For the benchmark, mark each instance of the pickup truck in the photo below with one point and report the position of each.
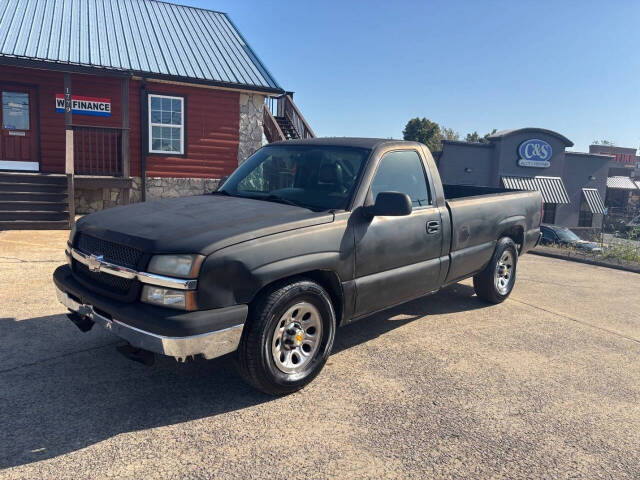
(303, 237)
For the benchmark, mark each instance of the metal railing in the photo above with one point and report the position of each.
(97, 150)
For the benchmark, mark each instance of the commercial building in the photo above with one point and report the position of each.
(623, 184)
(132, 99)
(573, 184)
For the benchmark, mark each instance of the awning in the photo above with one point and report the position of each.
(592, 196)
(552, 188)
(621, 183)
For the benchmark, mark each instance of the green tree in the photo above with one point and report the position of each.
(472, 137)
(476, 138)
(424, 131)
(449, 134)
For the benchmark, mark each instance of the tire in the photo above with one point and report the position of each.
(287, 338)
(495, 282)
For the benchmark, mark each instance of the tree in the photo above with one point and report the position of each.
(424, 131)
(449, 134)
(472, 137)
(476, 138)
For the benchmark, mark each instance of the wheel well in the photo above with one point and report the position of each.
(326, 279)
(515, 233)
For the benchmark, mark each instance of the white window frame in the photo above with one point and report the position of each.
(151, 124)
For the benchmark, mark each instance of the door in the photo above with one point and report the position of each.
(398, 258)
(19, 134)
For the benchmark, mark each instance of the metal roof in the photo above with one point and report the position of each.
(621, 183)
(144, 37)
(552, 188)
(594, 201)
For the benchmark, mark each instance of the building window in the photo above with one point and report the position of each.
(585, 218)
(549, 213)
(166, 124)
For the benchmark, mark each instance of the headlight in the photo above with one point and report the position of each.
(166, 297)
(185, 266)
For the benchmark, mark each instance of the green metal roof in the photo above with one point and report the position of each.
(144, 37)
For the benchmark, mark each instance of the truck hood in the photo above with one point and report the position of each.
(198, 224)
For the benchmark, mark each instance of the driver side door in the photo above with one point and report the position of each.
(398, 258)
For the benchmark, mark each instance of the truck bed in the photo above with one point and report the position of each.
(481, 215)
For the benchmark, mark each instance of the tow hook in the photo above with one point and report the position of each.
(139, 355)
(83, 323)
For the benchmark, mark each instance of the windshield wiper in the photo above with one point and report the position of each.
(220, 192)
(279, 199)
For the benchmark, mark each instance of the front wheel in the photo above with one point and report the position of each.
(495, 282)
(287, 338)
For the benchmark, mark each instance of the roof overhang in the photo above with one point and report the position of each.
(23, 62)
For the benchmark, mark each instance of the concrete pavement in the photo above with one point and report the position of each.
(545, 385)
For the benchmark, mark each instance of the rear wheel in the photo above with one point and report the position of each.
(495, 282)
(287, 338)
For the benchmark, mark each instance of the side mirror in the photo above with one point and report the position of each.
(390, 204)
(221, 182)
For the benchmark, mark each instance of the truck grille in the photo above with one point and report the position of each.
(113, 284)
(111, 252)
(110, 285)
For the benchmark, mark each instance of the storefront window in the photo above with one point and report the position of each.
(166, 124)
(15, 111)
(549, 213)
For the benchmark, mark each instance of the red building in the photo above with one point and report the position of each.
(125, 100)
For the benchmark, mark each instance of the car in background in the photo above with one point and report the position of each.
(562, 236)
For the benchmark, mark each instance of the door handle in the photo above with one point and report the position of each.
(433, 227)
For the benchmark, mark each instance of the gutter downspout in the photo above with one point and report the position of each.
(144, 141)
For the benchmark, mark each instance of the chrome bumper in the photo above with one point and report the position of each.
(210, 345)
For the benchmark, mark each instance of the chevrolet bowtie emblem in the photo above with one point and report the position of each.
(94, 263)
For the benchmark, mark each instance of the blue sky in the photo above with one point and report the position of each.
(363, 68)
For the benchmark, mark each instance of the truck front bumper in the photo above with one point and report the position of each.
(210, 333)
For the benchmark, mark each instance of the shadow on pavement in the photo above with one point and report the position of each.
(64, 402)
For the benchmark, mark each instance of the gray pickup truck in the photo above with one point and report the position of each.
(303, 237)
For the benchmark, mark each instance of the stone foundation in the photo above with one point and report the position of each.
(165, 187)
(94, 200)
(251, 127)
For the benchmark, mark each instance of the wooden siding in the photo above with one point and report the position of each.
(212, 121)
(211, 137)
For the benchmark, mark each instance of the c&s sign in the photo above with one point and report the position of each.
(534, 153)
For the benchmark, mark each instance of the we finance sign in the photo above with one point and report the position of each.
(80, 105)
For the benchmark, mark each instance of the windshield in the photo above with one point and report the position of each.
(319, 178)
(567, 235)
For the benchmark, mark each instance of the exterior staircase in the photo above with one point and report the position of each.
(288, 130)
(33, 201)
(282, 120)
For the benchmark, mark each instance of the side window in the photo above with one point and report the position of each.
(402, 171)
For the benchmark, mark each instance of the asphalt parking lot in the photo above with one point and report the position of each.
(545, 385)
